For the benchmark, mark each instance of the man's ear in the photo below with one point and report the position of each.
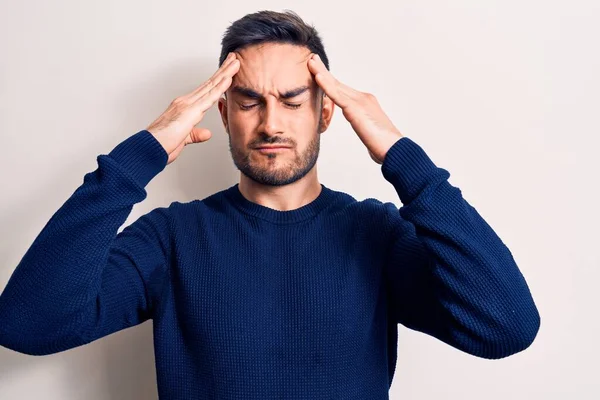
(327, 107)
(222, 105)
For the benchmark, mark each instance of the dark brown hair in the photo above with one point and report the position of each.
(271, 27)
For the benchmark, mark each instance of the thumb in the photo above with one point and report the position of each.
(198, 135)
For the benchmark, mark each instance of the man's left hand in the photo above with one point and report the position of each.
(362, 110)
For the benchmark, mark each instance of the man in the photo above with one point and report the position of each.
(277, 287)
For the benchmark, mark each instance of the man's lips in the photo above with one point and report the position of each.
(268, 148)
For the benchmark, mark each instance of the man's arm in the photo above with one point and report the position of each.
(449, 275)
(79, 280)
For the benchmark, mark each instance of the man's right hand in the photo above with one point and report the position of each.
(176, 127)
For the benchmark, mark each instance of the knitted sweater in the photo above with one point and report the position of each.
(249, 302)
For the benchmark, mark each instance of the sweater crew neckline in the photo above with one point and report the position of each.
(304, 212)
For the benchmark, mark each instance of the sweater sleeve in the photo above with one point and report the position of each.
(449, 275)
(80, 280)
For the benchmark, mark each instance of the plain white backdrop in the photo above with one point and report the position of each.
(502, 94)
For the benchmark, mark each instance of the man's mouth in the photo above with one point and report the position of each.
(266, 149)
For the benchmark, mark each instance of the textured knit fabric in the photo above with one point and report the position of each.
(249, 302)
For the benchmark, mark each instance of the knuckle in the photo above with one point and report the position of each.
(177, 101)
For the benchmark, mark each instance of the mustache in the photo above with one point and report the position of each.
(273, 141)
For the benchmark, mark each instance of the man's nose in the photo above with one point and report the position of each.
(271, 118)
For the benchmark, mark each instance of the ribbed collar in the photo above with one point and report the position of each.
(307, 211)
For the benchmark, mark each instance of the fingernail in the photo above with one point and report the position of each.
(317, 57)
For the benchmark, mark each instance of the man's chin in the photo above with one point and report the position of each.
(274, 176)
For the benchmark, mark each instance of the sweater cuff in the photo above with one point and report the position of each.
(408, 168)
(141, 155)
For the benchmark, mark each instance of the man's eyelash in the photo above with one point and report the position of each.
(243, 107)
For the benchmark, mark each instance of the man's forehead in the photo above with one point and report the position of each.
(263, 52)
(276, 68)
(273, 61)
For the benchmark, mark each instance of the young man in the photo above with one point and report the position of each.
(277, 287)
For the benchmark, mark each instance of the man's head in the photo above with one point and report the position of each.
(274, 99)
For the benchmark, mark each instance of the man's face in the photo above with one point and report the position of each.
(274, 100)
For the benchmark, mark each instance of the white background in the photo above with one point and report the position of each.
(502, 94)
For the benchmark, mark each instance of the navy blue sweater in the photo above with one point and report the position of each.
(249, 302)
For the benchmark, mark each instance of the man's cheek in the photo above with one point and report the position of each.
(238, 122)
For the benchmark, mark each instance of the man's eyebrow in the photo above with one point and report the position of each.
(245, 91)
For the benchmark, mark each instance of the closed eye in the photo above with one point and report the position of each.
(249, 106)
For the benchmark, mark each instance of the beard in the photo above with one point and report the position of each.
(276, 169)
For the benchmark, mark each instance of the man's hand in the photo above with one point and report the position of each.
(362, 110)
(175, 128)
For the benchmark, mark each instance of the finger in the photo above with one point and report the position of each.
(216, 76)
(198, 135)
(213, 94)
(336, 90)
(332, 87)
(229, 71)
